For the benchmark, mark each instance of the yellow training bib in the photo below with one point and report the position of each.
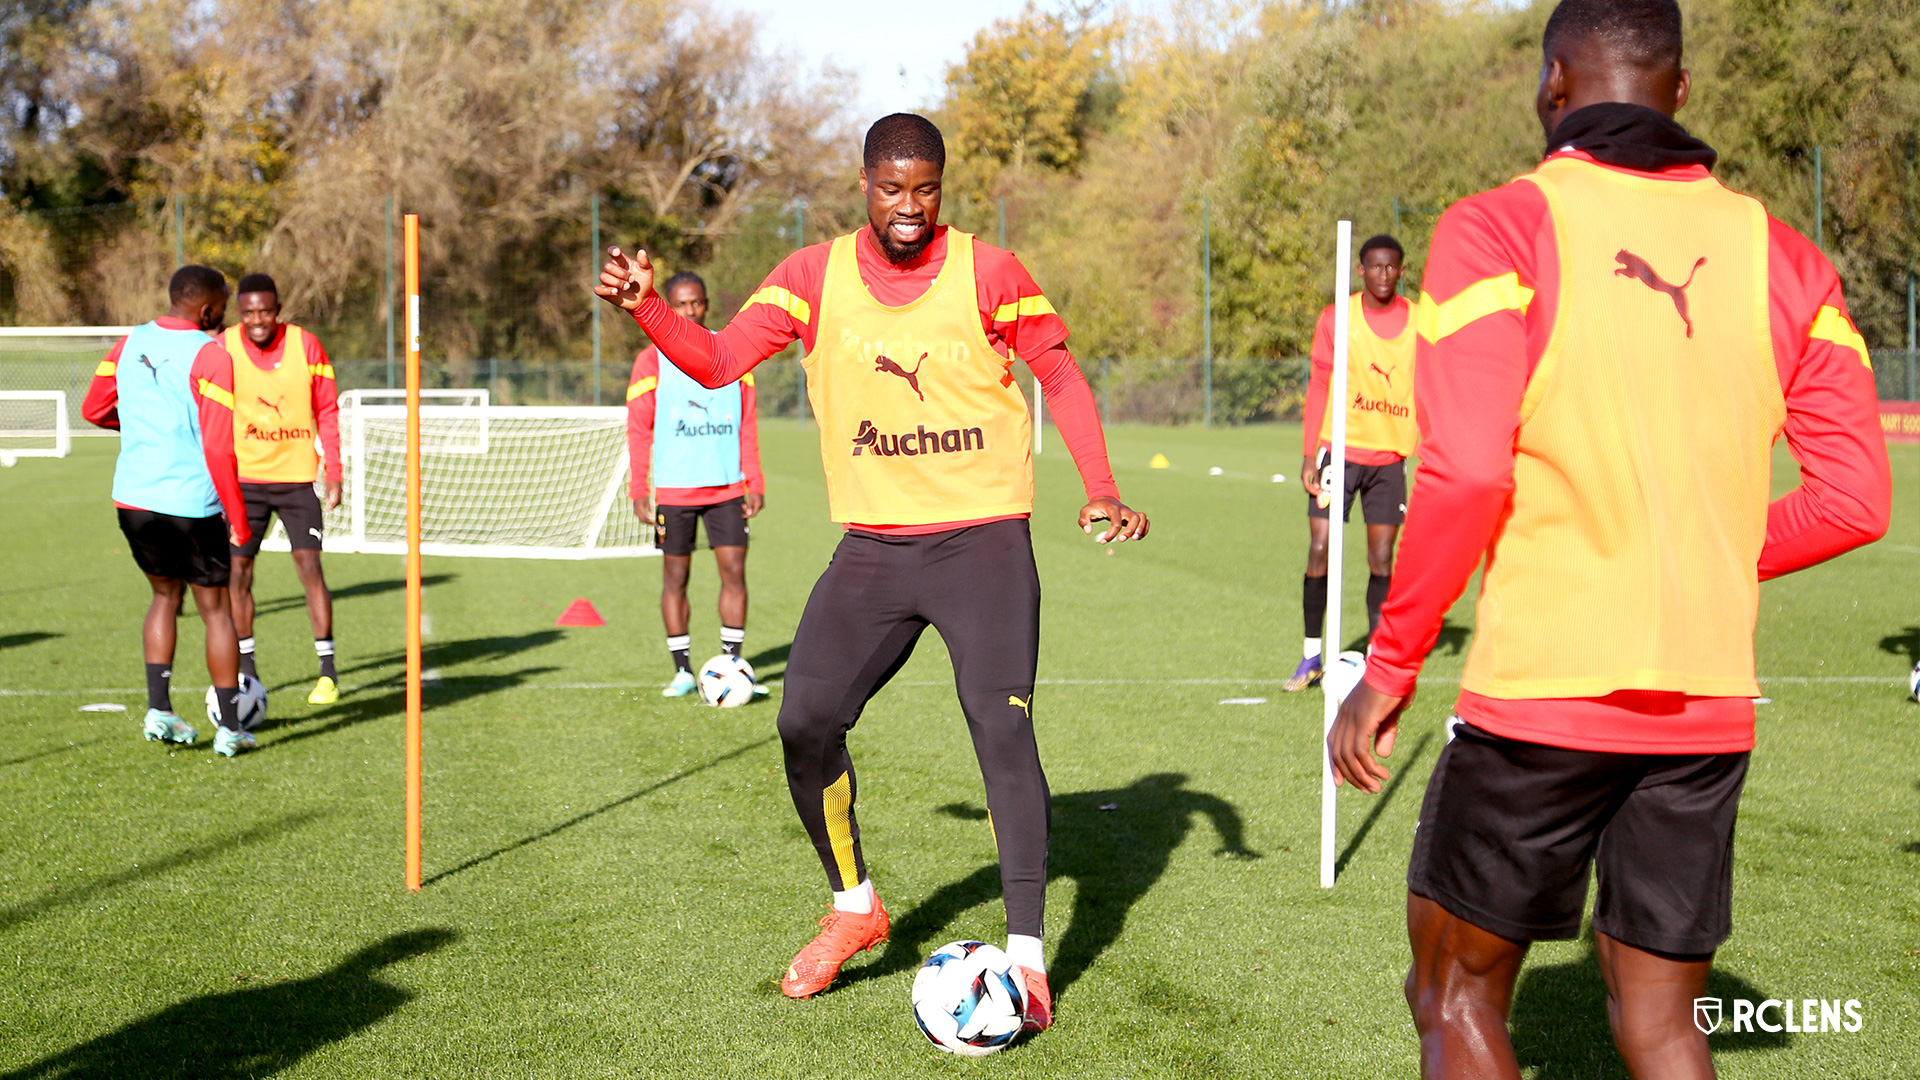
(920, 420)
(1379, 388)
(273, 423)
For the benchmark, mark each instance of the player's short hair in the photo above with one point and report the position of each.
(1382, 240)
(905, 137)
(684, 277)
(257, 283)
(1645, 33)
(195, 284)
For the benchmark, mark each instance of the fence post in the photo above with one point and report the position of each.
(389, 292)
(1819, 201)
(179, 238)
(1206, 287)
(1106, 394)
(1911, 395)
(1003, 221)
(594, 301)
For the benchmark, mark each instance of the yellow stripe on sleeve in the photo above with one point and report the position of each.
(641, 387)
(1026, 305)
(837, 804)
(775, 296)
(215, 392)
(1438, 320)
(1831, 325)
(747, 379)
(105, 370)
(324, 371)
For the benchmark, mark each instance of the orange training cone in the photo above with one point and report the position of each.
(580, 613)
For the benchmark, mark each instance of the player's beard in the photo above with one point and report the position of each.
(898, 253)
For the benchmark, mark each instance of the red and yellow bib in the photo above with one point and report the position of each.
(1379, 388)
(273, 424)
(1642, 463)
(920, 420)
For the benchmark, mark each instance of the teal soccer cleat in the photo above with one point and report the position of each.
(166, 727)
(683, 684)
(230, 741)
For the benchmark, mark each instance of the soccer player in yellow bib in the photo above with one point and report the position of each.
(911, 329)
(1380, 435)
(285, 418)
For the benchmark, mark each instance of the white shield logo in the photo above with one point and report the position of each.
(1706, 1015)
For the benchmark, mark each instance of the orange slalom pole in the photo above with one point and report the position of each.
(412, 248)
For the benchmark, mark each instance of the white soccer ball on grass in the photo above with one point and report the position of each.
(1913, 683)
(968, 1000)
(726, 681)
(253, 703)
(1345, 674)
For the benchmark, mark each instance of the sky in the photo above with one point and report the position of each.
(899, 50)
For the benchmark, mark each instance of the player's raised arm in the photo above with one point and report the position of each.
(102, 405)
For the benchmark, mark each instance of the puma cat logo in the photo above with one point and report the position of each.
(886, 364)
(1011, 700)
(1634, 266)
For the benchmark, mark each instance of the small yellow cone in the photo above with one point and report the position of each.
(1159, 462)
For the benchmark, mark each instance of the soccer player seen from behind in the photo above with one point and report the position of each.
(1608, 348)
(911, 329)
(168, 389)
(285, 402)
(1380, 435)
(700, 449)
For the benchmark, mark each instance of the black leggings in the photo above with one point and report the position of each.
(978, 587)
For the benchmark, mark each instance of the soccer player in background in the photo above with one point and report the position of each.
(1608, 348)
(285, 401)
(168, 389)
(702, 448)
(1380, 435)
(911, 329)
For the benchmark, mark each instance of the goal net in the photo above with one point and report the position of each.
(33, 423)
(496, 481)
(49, 358)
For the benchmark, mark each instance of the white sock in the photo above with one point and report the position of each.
(321, 646)
(858, 900)
(1309, 648)
(246, 646)
(1025, 952)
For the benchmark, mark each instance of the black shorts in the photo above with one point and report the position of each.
(193, 550)
(299, 509)
(1382, 490)
(1508, 829)
(726, 525)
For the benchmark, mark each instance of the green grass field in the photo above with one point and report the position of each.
(615, 882)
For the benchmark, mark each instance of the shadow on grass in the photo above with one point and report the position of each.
(350, 592)
(360, 708)
(1905, 643)
(31, 637)
(1114, 856)
(48, 752)
(775, 655)
(1400, 772)
(251, 1032)
(623, 800)
(480, 650)
(66, 895)
(1559, 1021)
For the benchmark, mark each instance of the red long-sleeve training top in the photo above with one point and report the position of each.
(1469, 388)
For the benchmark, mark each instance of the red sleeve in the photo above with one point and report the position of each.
(640, 404)
(1833, 421)
(1319, 380)
(212, 376)
(785, 307)
(1070, 402)
(1017, 316)
(102, 405)
(326, 404)
(1468, 386)
(750, 438)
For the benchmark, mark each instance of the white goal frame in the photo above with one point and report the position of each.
(62, 434)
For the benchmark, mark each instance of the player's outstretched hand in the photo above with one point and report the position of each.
(1367, 725)
(755, 501)
(1123, 522)
(624, 282)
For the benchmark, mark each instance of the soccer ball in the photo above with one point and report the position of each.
(1913, 683)
(726, 681)
(253, 703)
(1345, 674)
(968, 999)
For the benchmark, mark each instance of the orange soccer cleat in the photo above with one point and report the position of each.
(842, 934)
(1039, 1015)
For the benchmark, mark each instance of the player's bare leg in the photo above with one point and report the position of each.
(240, 599)
(1650, 1006)
(306, 563)
(223, 643)
(732, 562)
(1460, 989)
(675, 613)
(159, 631)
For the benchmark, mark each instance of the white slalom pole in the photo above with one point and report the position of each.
(1336, 535)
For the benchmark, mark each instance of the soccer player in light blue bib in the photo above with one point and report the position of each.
(699, 450)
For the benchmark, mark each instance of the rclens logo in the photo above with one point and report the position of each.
(916, 442)
(1803, 1017)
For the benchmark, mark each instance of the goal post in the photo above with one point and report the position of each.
(1336, 536)
(33, 423)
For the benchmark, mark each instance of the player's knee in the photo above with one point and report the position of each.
(808, 716)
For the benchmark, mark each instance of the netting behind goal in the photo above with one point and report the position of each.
(33, 423)
(503, 481)
(57, 358)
